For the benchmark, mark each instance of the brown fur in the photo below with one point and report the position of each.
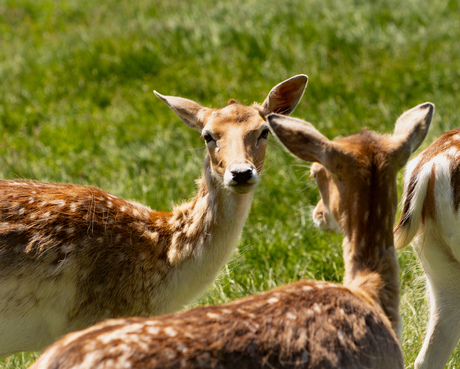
(307, 324)
(365, 191)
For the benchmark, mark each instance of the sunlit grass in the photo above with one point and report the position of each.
(76, 105)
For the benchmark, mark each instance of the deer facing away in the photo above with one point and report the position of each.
(71, 256)
(429, 219)
(306, 324)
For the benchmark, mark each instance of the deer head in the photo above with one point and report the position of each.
(236, 135)
(342, 168)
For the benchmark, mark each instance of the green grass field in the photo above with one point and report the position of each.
(76, 105)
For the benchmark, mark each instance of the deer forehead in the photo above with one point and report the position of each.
(234, 117)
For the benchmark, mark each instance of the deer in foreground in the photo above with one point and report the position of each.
(429, 219)
(72, 256)
(306, 324)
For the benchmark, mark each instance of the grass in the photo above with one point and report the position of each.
(76, 106)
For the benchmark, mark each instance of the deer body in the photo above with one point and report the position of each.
(429, 220)
(71, 256)
(307, 324)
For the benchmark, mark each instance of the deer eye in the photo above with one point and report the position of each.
(264, 133)
(207, 137)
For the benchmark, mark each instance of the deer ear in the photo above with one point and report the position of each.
(284, 97)
(191, 113)
(411, 129)
(303, 140)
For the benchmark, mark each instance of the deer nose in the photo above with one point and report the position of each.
(242, 176)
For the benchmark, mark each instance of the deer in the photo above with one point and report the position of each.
(72, 255)
(304, 324)
(429, 221)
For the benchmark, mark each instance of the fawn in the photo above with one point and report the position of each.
(429, 219)
(306, 324)
(72, 256)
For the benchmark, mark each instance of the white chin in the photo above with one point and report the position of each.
(241, 189)
(325, 227)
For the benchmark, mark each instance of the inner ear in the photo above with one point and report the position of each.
(412, 127)
(284, 97)
(410, 131)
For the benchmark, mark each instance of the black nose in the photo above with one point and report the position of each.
(242, 176)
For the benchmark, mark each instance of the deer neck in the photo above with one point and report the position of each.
(369, 254)
(204, 233)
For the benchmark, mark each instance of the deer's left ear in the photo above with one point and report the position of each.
(305, 141)
(284, 97)
(410, 130)
(190, 112)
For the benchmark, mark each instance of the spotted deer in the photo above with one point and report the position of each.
(429, 220)
(71, 256)
(306, 324)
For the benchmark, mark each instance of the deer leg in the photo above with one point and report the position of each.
(442, 334)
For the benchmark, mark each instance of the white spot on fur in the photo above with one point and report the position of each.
(307, 288)
(73, 208)
(316, 308)
(213, 315)
(122, 209)
(291, 316)
(171, 332)
(273, 300)
(153, 330)
(452, 151)
(59, 203)
(119, 333)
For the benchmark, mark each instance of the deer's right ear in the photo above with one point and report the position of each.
(410, 130)
(412, 127)
(190, 112)
(301, 138)
(284, 97)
